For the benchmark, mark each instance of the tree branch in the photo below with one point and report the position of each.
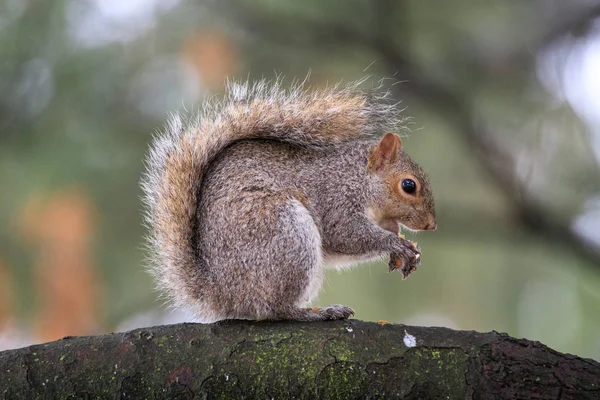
(339, 360)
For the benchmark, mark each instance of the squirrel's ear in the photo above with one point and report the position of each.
(386, 151)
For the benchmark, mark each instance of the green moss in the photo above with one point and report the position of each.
(341, 380)
(445, 366)
(161, 340)
(274, 360)
(340, 350)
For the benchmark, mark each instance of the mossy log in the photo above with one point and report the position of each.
(327, 360)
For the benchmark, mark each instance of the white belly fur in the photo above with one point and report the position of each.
(343, 261)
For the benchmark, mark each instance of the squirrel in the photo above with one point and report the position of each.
(250, 202)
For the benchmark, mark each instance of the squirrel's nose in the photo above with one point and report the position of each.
(431, 226)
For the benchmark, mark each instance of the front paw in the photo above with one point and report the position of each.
(406, 259)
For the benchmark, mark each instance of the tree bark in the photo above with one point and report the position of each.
(330, 360)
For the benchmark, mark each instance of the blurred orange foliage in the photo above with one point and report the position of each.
(213, 55)
(67, 286)
(6, 297)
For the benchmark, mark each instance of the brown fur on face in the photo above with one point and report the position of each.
(416, 211)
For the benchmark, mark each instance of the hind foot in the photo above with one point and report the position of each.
(329, 313)
(334, 312)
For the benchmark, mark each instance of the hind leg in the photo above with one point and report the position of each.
(309, 238)
(273, 269)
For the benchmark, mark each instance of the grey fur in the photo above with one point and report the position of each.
(242, 227)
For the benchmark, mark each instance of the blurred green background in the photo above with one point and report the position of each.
(505, 116)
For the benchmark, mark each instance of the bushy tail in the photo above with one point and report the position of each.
(178, 158)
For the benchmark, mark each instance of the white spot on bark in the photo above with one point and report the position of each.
(409, 340)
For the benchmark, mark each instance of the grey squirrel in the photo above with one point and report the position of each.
(249, 203)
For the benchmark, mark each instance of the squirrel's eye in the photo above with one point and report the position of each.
(409, 186)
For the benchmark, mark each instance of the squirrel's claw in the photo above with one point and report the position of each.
(407, 261)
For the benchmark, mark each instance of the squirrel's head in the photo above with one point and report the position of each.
(406, 197)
